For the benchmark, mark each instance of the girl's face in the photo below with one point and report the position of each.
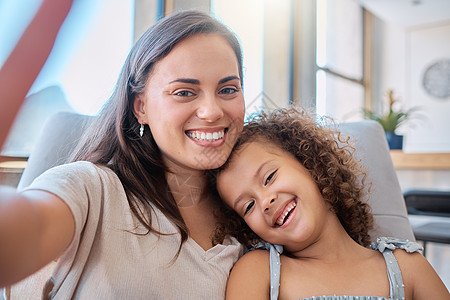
(275, 195)
(193, 103)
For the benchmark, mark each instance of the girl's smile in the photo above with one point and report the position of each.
(283, 218)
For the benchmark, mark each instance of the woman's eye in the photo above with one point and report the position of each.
(228, 91)
(269, 178)
(184, 94)
(249, 206)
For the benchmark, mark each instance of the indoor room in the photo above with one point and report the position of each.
(346, 61)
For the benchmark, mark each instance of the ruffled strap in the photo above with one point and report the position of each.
(391, 243)
(385, 245)
(275, 266)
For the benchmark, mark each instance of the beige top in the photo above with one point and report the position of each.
(104, 261)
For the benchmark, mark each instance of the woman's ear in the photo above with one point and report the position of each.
(138, 107)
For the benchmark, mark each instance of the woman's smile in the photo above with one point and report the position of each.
(205, 137)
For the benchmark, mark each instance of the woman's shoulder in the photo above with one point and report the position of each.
(75, 176)
(80, 166)
(79, 169)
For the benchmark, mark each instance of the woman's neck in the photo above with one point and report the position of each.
(194, 202)
(188, 189)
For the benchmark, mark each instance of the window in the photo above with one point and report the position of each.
(309, 53)
(82, 69)
(339, 59)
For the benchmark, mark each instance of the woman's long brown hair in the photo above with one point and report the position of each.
(113, 139)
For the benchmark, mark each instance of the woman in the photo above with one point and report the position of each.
(131, 218)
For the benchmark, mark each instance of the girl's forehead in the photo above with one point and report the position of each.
(261, 144)
(250, 155)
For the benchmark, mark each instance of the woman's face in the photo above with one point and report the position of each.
(193, 103)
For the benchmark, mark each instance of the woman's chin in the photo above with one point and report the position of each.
(213, 165)
(208, 162)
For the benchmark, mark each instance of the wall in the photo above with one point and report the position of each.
(426, 46)
(424, 179)
(401, 56)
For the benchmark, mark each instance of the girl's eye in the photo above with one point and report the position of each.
(249, 206)
(184, 94)
(228, 91)
(269, 178)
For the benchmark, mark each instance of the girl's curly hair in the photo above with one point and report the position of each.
(324, 152)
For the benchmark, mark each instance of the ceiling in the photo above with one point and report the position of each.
(409, 13)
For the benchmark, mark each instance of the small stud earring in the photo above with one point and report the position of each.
(141, 130)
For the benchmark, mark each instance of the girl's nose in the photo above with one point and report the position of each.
(210, 109)
(268, 203)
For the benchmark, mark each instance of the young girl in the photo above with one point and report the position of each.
(296, 184)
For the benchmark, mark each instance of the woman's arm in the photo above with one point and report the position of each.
(250, 277)
(35, 228)
(420, 279)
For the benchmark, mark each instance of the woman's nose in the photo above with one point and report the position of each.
(210, 109)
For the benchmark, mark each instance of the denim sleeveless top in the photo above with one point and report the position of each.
(383, 244)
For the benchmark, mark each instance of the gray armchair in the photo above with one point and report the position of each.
(386, 198)
(58, 138)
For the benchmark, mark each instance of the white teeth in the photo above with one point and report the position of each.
(280, 220)
(208, 136)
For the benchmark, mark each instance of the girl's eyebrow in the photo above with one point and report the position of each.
(260, 167)
(255, 176)
(236, 202)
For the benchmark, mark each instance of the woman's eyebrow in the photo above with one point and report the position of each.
(228, 78)
(186, 80)
(196, 81)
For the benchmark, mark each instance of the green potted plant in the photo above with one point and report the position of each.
(391, 120)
